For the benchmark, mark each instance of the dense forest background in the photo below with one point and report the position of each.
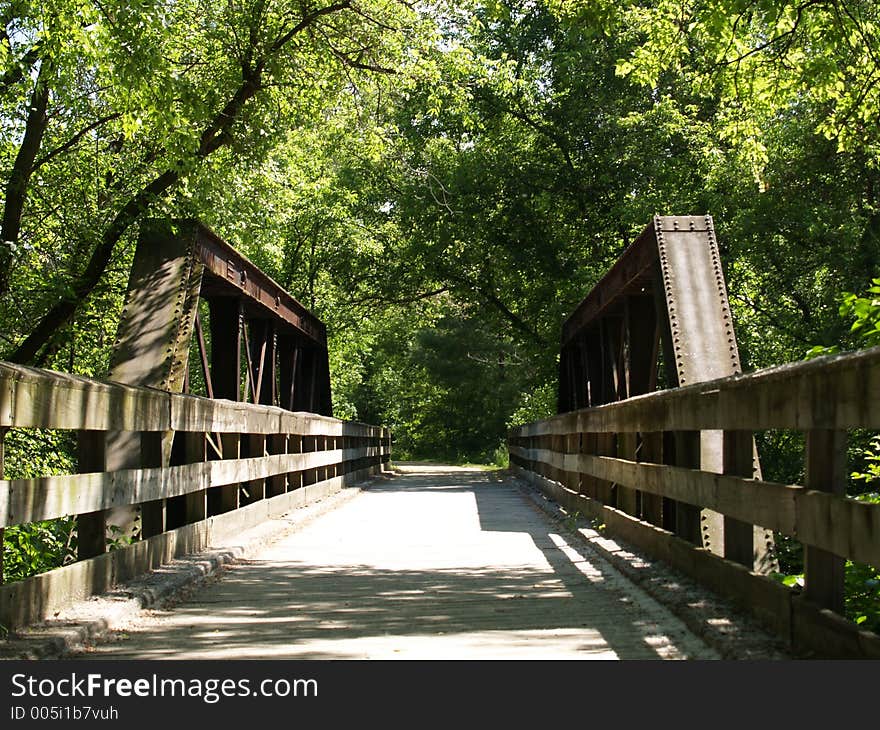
(441, 183)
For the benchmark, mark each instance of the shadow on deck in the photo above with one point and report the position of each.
(453, 564)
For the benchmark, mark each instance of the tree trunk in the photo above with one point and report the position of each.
(19, 179)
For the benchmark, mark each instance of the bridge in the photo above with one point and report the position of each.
(648, 479)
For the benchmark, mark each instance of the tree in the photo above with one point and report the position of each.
(156, 91)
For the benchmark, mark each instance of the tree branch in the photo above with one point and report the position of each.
(62, 148)
(378, 299)
(306, 22)
(15, 73)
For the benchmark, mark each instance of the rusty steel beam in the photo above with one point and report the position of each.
(178, 262)
(175, 264)
(666, 289)
(229, 273)
(629, 273)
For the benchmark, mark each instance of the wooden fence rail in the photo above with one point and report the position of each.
(824, 398)
(212, 467)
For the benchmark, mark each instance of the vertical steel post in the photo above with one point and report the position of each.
(226, 345)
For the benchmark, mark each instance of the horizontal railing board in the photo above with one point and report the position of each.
(35, 398)
(193, 413)
(43, 498)
(838, 392)
(829, 635)
(846, 527)
(766, 504)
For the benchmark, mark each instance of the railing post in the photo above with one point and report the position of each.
(195, 447)
(255, 444)
(294, 446)
(227, 323)
(226, 498)
(826, 472)
(308, 446)
(688, 524)
(582, 478)
(627, 498)
(152, 513)
(738, 460)
(332, 471)
(642, 343)
(606, 445)
(651, 451)
(277, 446)
(91, 528)
(589, 483)
(572, 478)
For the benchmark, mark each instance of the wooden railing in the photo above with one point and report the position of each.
(570, 457)
(232, 465)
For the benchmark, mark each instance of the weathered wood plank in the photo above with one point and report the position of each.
(28, 500)
(739, 542)
(91, 526)
(846, 527)
(745, 499)
(34, 398)
(827, 635)
(840, 525)
(791, 396)
(824, 572)
(688, 524)
(196, 505)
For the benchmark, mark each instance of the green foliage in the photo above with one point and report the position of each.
(534, 405)
(571, 521)
(31, 453)
(766, 58)
(865, 313)
(39, 546)
(871, 477)
(863, 581)
(501, 457)
(863, 595)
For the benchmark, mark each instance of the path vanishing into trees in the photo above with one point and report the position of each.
(437, 563)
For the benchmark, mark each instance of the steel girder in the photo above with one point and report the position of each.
(660, 318)
(260, 345)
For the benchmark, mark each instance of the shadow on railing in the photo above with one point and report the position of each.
(206, 481)
(824, 398)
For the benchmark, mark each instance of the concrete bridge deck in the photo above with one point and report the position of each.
(437, 563)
